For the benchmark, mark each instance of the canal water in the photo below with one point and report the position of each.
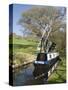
(24, 76)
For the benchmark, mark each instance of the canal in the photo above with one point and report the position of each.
(24, 76)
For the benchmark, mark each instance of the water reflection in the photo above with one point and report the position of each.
(24, 76)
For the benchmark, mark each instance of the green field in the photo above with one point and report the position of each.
(24, 45)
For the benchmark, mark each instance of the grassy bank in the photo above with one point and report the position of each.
(24, 50)
(59, 75)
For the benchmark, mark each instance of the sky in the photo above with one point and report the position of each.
(18, 9)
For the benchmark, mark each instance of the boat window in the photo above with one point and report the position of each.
(50, 55)
(41, 57)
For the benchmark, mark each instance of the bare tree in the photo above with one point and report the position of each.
(42, 21)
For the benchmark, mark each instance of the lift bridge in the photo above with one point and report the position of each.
(47, 58)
